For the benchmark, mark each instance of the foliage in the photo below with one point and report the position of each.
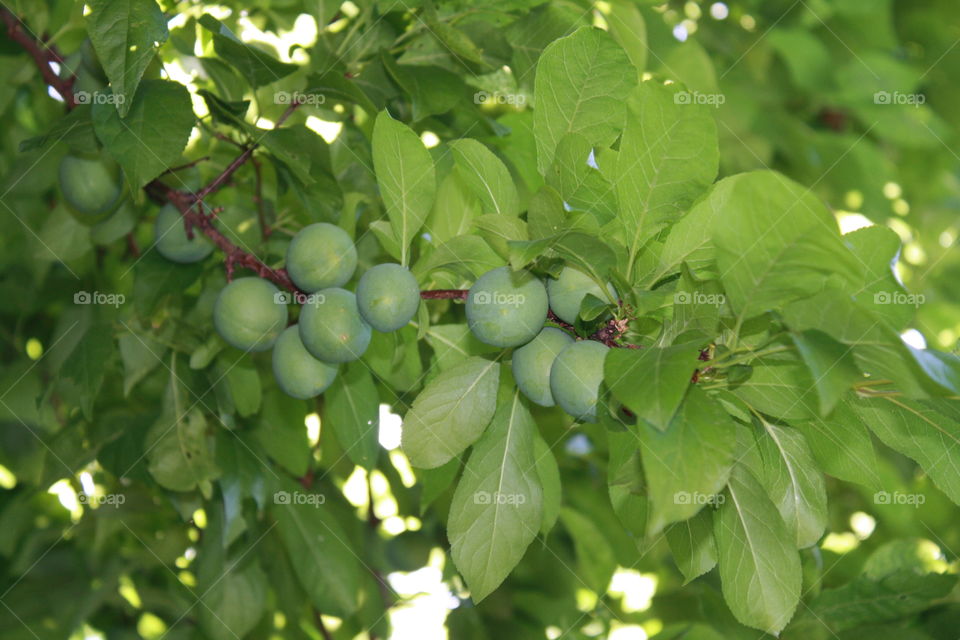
(757, 438)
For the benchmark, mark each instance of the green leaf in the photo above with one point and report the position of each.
(451, 412)
(877, 349)
(782, 389)
(596, 562)
(831, 364)
(406, 177)
(432, 90)
(258, 67)
(468, 255)
(85, 366)
(154, 133)
(757, 557)
(630, 30)
(353, 410)
(140, 355)
(775, 243)
(919, 432)
(880, 290)
(866, 601)
(582, 186)
(245, 388)
(580, 88)
(668, 157)
(452, 343)
(180, 451)
(126, 35)
(334, 85)
(499, 230)
(487, 177)
(693, 546)
(281, 433)
(651, 382)
(687, 465)
(589, 253)
(842, 447)
(497, 507)
(75, 129)
(794, 482)
(319, 550)
(549, 475)
(292, 145)
(625, 482)
(234, 602)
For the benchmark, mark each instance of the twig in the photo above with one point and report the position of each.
(444, 294)
(186, 166)
(42, 55)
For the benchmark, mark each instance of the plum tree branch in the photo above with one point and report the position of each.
(192, 206)
(42, 55)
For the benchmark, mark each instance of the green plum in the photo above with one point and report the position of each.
(321, 256)
(532, 363)
(250, 314)
(92, 186)
(506, 308)
(332, 328)
(388, 297)
(172, 241)
(568, 291)
(298, 373)
(576, 376)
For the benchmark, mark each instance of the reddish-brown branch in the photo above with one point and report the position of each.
(42, 55)
(186, 166)
(444, 294)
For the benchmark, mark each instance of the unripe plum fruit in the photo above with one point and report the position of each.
(568, 291)
(91, 186)
(388, 297)
(172, 241)
(297, 372)
(249, 314)
(532, 363)
(506, 308)
(576, 376)
(332, 328)
(320, 256)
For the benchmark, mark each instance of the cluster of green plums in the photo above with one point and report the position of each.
(335, 325)
(504, 308)
(507, 308)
